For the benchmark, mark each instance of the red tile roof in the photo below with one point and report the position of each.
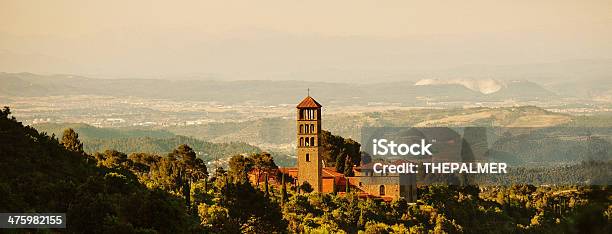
(331, 172)
(309, 102)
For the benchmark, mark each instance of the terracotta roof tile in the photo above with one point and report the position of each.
(331, 172)
(309, 102)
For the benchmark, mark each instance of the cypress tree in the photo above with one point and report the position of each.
(187, 192)
(226, 187)
(348, 189)
(340, 163)
(348, 166)
(179, 180)
(335, 191)
(206, 184)
(266, 185)
(283, 190)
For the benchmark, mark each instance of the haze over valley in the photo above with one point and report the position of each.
(261, 113)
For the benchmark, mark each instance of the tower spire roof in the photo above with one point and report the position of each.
(309, 102)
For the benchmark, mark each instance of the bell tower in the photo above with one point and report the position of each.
(308, 134)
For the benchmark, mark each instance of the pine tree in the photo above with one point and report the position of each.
(71, 141)
(186, 154)
(4, 113)
(263, 162)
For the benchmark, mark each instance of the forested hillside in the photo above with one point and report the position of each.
(152, 141)
(40, 175)
(87, 132)
(112, 192)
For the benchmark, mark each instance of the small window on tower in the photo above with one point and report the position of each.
(312, 141)
(307, 157)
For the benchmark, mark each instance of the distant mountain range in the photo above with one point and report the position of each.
(282, 92)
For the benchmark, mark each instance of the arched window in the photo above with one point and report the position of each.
(301, 128)
(301, 141)
(307, 142)
(307, 157)
(312, 128)
(306, 129)
(382, 190)
(312, 141)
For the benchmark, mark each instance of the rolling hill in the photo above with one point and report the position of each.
(279, 132)
(153, 141)
(269, 92)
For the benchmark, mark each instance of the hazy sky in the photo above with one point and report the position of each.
(285, 39)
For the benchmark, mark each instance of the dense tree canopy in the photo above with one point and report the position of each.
(339, 152)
